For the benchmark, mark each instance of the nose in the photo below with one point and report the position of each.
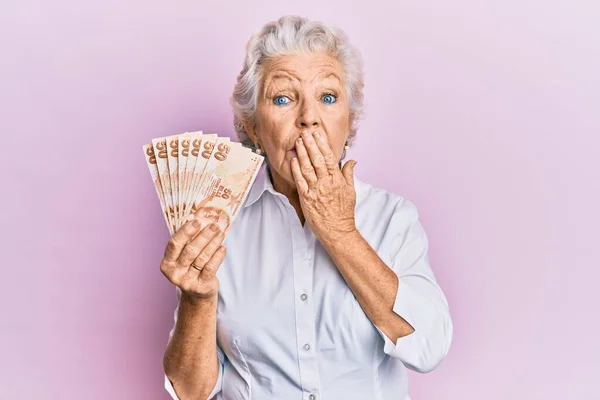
(309, 115)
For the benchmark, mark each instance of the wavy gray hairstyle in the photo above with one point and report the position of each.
(295, 35)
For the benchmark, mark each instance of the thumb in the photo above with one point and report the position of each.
(348, 172)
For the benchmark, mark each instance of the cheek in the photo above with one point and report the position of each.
(344, 119)
(341, 126)
(267, 128)
(275, 130)
(274, 140)
(339, 116)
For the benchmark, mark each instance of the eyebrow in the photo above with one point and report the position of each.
(330, 74)
(290, 77)
(270, 82)
(284, 75)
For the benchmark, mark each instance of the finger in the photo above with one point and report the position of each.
(348, 172)
(179, 239)
(306, 166)
(197, 244)
(297, 174)
(212, 266)
(207, 252)
(316, 157)
(330, 162)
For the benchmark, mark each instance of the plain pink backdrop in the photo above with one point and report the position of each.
(485, 114)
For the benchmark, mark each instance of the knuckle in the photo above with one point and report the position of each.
(167, 272)
(189, 252)
(164, 267)
(213, 264)
(166, 275)
(202, 259)
(189, 228)
(207, 233)
(210, 265)
(176, 241)
(171, 246)
(186, 286)
(206, 236)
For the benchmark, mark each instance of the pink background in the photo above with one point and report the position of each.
(485, 114)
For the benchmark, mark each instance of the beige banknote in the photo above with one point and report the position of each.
(209, 149)
(160, 151)
(183, 149)
(202, 149)
(173, 162)
(153, 168)
(226, 181)
(195, 141)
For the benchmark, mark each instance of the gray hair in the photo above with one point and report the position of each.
(295, 35)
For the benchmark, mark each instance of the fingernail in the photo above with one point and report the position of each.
(299, 140)
(196, 224)
(213, 227)
(316, 134)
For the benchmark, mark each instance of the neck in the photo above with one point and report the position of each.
(288, 190)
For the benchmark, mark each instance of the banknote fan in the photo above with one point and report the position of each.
(203, 175)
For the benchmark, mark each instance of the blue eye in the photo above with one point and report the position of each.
(329, 98)
(281, 100)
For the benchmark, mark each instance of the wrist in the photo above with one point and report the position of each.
(340, 238)
(197, 301)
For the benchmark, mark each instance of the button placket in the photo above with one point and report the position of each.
(305, 318)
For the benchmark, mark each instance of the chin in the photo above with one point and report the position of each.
(288, 176)
(284, 171)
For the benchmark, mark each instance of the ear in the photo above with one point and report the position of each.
(250, 128)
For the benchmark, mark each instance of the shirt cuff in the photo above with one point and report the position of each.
(216, 389)
(170, 389)
(425, 348)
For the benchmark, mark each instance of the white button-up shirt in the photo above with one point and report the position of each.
(288, 325)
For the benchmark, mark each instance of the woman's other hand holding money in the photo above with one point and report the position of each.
(192, 258)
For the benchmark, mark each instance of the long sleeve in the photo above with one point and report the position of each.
(218, 385)
(419, 299)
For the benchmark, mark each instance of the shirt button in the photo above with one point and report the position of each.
(304, 297)
(312, 397)
(307, 347)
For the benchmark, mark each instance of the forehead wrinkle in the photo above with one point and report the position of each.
(324, 75)
(277, 70)
(271, 78)
(277, 85)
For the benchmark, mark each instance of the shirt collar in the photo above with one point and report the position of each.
(263, 184)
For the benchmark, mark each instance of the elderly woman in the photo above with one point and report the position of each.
(325, 290)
